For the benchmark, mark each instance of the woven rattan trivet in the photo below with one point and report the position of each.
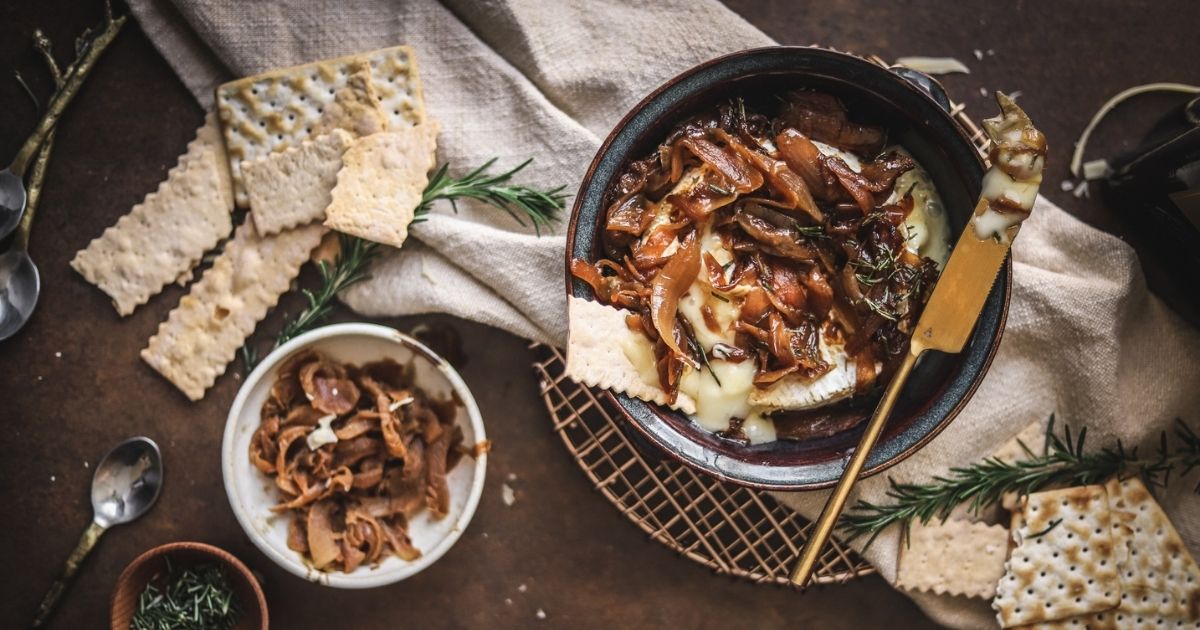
(727, 528)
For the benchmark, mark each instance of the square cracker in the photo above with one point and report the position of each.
(355, 106)
(201, 336)
(1160, 578)
(380, 184)
(293, 187)
(277, 109)
(953, 557)
(162, 238)
(1064, 563)
(598, 347)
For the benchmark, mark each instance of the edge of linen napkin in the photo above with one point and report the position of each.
(192, 60)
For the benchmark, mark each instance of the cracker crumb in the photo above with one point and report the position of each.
(85, 464)
(1067, 185)
(983, 91)
(541, 614)
(52, 478)
(978, 54)
(507, 495)
(58, 355)
(1081, 191)
(508, 601)
(512, 476)
(991, 51)
(522, 588)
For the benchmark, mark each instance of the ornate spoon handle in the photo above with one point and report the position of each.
(62, 97)
(82, 549)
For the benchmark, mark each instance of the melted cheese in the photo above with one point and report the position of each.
(926, 226)
(637, 349)
(717, 404)
(323, 433)
(998, 185)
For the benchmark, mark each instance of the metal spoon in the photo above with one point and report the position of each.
(126, 484)
(20, 282)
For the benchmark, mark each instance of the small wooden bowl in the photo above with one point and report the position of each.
(134, 578)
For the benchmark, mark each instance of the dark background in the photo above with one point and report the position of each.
(581, 562)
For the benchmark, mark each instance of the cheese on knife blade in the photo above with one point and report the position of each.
(1018, 157)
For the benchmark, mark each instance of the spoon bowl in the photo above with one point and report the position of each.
(127, 482)
(20, 285)
(12, 201)
(125, 485)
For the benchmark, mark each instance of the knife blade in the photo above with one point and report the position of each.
(963, 287)
(1007, 196)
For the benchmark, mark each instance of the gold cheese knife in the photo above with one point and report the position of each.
(1009, 189)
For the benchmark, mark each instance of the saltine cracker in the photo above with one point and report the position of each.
(293, 187)
(203, 333)
(277, 109)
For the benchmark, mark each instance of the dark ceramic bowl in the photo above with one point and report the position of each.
(914, 109)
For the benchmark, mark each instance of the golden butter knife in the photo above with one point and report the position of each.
(1008, 193)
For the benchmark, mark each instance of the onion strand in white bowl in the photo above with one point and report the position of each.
(252, 494)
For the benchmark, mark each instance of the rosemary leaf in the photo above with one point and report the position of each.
(540, 207)
(1065, 462)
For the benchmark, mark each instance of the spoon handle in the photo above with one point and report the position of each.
(35, 191)
(50, 601)
(78, 71)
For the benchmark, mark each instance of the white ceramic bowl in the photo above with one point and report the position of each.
(251, 493)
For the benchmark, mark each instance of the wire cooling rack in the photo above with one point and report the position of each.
(728, 528)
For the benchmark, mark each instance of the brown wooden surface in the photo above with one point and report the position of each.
(71, 383)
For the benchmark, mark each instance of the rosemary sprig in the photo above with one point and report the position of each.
(697, 349)
(811, 231)
(1049, 528)
(350, 267)
(541, 207)
(720, 191)
(1064, 462)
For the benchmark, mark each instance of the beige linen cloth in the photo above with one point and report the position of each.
(525, 78)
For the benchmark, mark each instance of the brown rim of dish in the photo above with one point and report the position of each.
(241, 571)
(572, 226)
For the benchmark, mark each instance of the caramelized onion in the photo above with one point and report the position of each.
(785, 242)
(669, 284)
(350, 500)
(742, 177)
(854, 184)
(781, 178)
(591, 275)
(322, 544)
(822, 117)
(629, 215)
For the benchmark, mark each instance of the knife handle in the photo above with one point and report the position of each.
(823, 528)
